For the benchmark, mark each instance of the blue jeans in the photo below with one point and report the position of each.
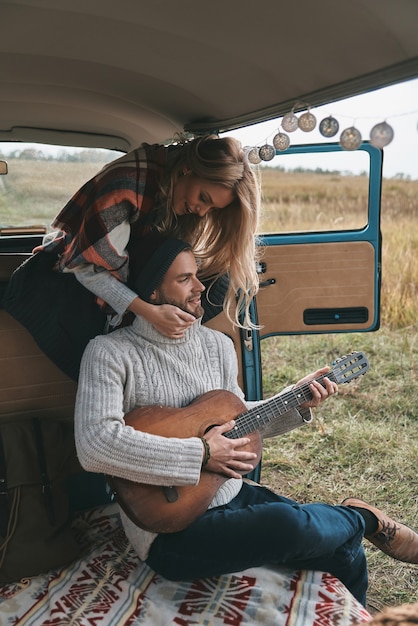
(259, 527)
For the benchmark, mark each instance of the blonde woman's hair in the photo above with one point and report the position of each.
(224, 241)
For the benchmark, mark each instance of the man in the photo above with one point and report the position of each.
(245, 525)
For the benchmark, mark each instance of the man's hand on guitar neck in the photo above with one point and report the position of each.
(228, 456)
(319, 392)
(234, 457)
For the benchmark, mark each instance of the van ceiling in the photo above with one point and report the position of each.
(114, 74)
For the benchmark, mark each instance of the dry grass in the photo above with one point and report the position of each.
(35, 191)
(299, 201)
(362, 442)
(399, 253)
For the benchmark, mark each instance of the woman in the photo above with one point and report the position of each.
(202, 191)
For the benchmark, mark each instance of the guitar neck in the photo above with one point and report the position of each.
(264, 413)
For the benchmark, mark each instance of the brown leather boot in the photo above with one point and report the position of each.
(393, 538)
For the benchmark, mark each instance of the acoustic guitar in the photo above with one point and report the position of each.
(171, 509)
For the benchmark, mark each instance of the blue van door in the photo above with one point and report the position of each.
(320, 244)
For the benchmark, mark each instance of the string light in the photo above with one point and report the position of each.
(381, 134)
(253, 156)
(307, 122)
(329, 127)
(266, 152)
(350, 138)
(290, 122)
(281, 141)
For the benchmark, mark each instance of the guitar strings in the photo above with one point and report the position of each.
(259, 416)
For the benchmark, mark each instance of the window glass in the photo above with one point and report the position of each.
(301, 192)
(323, 191)
(42, 178)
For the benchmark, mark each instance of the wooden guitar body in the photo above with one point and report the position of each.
(170, 509)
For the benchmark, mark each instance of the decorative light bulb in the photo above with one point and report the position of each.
(307, 122)
(350, 138)
(381, 135)
(290, 122)
(253, 156)
(329, 127)
(266, 152)
(281, 141)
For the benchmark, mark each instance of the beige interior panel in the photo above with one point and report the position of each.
(30, 384)
(309, 276)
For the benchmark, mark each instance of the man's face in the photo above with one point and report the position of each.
(181, 286)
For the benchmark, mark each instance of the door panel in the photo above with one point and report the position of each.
(317, 287)
(321, 243)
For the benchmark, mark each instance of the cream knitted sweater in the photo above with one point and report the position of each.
(137, 366)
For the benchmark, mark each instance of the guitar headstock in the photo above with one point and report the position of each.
(348, 367)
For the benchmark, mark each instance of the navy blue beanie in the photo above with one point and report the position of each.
(149, 261)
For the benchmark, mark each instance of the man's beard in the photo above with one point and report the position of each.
(163, 299)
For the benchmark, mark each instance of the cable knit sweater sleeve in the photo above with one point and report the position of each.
(106, 287)
(106, 445)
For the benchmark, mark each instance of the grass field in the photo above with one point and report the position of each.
(364, 441)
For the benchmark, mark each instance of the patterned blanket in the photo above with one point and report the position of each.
(109, 586)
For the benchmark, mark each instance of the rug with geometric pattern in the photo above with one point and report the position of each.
(109, 586)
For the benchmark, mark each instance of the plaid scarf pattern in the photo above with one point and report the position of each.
(123, 191)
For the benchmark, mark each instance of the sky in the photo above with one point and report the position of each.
(397, 105)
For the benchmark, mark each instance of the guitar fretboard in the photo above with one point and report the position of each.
(261, 415)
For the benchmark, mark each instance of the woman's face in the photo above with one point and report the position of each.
(198, 196)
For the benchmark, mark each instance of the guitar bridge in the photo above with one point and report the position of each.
(171, 494)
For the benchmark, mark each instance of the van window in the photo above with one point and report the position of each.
(323, 191)
(41, 179)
